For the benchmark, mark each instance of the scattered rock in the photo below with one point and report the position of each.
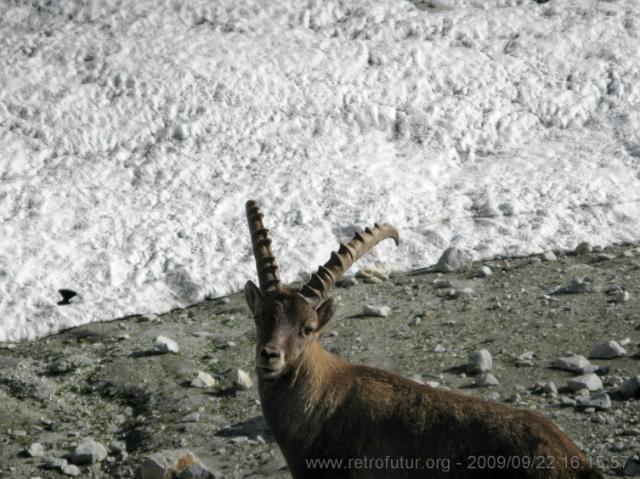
(619, 297)
(600, 402)
(608, 350)
(464, 292)
(567, 401)
(525, 359)
(193, 417)
(485, 380)
(574, 363)
(482, 272)
(381, 271)
(54, 463)
(379, 311)
(241, 380)
(118, 446)
(35, 450)
(479, 362)
(70, 470)
(577, 286)
(439, 349)
(165, 464)
(630, 388)
(88, 452)
(454, 259)
(165, 345)
(197, 471)
(203, 380)
(549, 256)
(583, 248)
(587, 381)
(347, 282)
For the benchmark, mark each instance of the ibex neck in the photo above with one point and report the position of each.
(296, 405)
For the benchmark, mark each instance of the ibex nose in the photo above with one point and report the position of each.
(270, 353)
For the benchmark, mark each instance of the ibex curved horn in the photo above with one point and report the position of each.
(266, 265)
(321, 282)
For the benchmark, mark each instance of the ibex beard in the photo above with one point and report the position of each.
(334, 419)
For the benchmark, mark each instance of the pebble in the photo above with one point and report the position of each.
(574, 363)
(118, 446)
(492, 396)
(166, 463)
(577, 286)
(630, 388)
(525, 359)
(583, 248)
(439, 348)
(378, 270)
(482, 272)
(89, 452)
(479, 362)
(347, 282)
(485, 380)
(621, 296)
(464, 292)
(379, 311)
(514, 398)
(35, 450)
(608, 350)
(193, 417)
(453, 259)
(241, 380)
(203, 380)
(415, 321)
(549, 256)
(70, 470)
(165, 345)
(54, 463)
(587, 381)
(600, 401)
(567, 401)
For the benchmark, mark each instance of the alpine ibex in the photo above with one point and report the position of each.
(333, 419)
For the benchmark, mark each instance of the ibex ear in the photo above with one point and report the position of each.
(253, 296)
(325, 311)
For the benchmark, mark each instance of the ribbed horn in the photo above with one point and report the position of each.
(265, 261)
(321, 282)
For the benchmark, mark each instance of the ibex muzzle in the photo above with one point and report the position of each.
(329, 416)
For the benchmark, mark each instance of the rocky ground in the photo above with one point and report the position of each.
(98, 400)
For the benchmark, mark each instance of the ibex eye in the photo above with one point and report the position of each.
(306, 330)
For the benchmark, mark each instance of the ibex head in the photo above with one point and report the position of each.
(288, 320)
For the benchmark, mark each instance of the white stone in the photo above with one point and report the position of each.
(608, 350)
(241, 380)
(573, 362)
(486, 379)
(587, 381)
(89, 452)
(36, 450)
(165, 345)
(70, 470)
(454, 259)
(380, 311)
(479, 362)
(549, 256)
(600, 401)
(203, 380)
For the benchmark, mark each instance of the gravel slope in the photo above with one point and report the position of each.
(92, 381)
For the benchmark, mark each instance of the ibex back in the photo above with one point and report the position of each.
(333, 419)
